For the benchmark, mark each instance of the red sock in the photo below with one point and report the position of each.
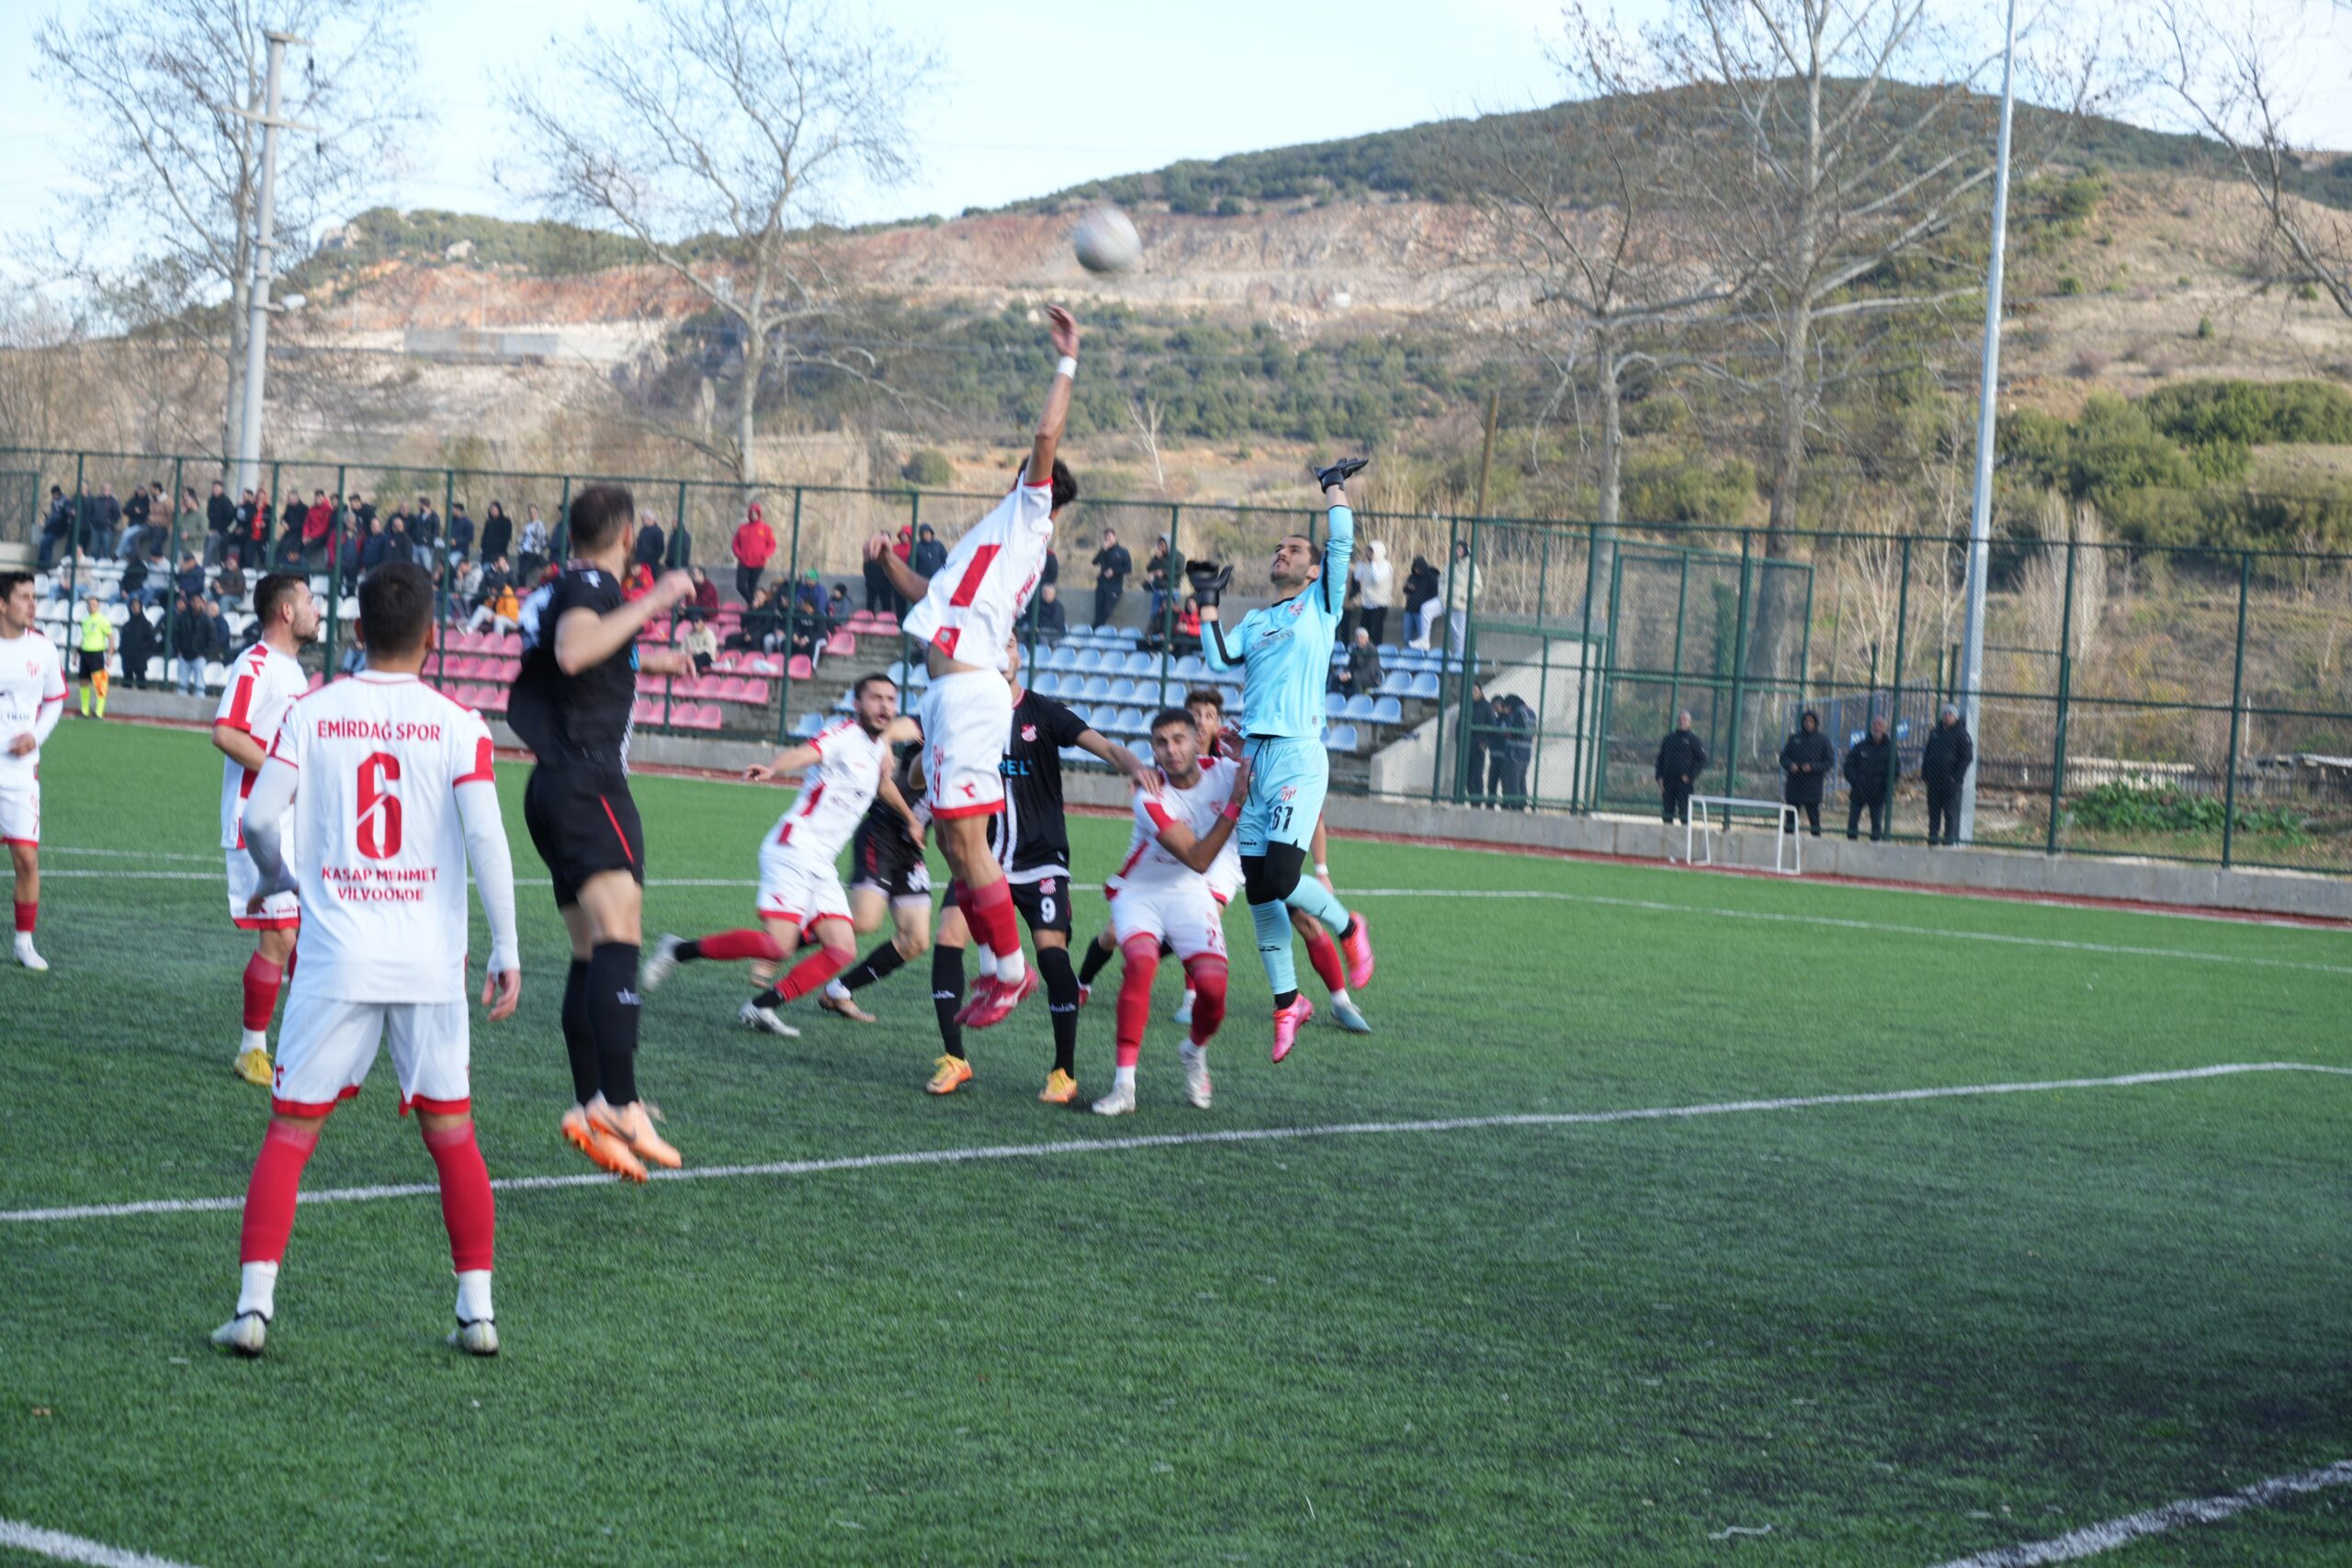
(262, 980)
(466, 1207)
(27, 916)
(1142, 953)
(1324, 953)
(813, 970)
(728, 947)
(291, 954)
(1206, 975)
(993, 919)
(269, 1196)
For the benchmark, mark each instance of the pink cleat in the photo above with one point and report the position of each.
(1288, 1021)
(995, 1000)
(1358, 948)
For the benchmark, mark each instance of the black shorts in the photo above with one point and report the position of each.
(1044, 904)
(885, 859)
(581, 827)
(93, 663)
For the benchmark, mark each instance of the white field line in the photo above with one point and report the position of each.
(2092, 1540)
(1181, 1140)
(74, 1548)
(1654, 906)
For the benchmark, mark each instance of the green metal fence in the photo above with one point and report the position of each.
(2183, 703)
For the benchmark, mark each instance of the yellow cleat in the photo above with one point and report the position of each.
(633, 1125)
(1060, 1089)
(953, 1074)
(254, 1067)
(600, 1146)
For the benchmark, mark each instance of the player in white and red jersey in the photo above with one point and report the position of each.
(1172, 889)
(966, 612)
(264, 681)
(32, 699)
(842, 768)
(391, 795)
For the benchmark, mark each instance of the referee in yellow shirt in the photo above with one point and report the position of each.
(96, 639)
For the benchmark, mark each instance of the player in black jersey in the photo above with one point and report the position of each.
(887, 876)
(572, 705)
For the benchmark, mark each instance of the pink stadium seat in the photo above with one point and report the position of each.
(801, 669)
(706, 717)
(842, 644)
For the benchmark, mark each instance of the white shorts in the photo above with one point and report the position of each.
(1182, 914)
(967, 718)
(282, 913)
(326, 1047)
(790, 891)
(20, 815)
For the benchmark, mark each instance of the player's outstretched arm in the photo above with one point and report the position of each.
(791, 759)
(1063, 327)
(1339, 538)
(273, 792)
(584, 638)
(905, 581)
(1140, 774)
(494, 866)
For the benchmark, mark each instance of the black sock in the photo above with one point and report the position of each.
(878, 964)
(579, 1035)
(686, 951)
(771, 998)
(1061, 1002)
(1097, 956)
(947, 996)
(1349, 929)
(1284, 1000)
(612, 1012)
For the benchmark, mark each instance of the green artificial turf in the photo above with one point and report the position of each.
(1894, 1333)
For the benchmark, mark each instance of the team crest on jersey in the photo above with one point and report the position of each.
(1297, 606)
(1047, 887)
(1289, 792)
(1028, 732)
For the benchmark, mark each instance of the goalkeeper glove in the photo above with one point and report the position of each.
(1209, 581)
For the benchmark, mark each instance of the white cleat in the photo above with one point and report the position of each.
(244, 1334)
(1183, 1014)
(27, 957)
(1118, 1102)
(754, 1016)
(1196, 1075)
(479, 1337)
(1348, 1016)
(658, 963)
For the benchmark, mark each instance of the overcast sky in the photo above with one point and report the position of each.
(1133, 85)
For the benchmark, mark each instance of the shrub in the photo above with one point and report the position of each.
(2135, 808)
(930, 468)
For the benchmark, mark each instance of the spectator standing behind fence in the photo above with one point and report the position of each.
(1162, 574)
(1377, 580)
(1682, 757)
(531, 556)
(139, 646)
(135, 513)
(461, 533)
(1517, 749)
(1476, 744)
(1464, 582)
(191, 635)
(1806, 758)
(929, 555)
(753, 547)
(497, 533)
(219, 518)
(424, 531)
(1112, 564)
(1944, 761)
(1420, 592)
(1871, 768)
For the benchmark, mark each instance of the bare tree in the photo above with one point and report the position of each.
(160, 226)
(1144, 411)
(710, 137)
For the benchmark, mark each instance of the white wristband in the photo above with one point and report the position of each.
(1066, 366)
(1321, 869)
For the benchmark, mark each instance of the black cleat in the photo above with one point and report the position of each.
(1340, 472)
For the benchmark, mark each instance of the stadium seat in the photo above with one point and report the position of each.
(1141, 664)
(1358, 706)
(1387, 710)
(1334, 705)
(1424, 685)
(808, 723)
(844, 704)
(1388, 652)
(1339, 738)
(1397, 683)
(1097, 688)
(1192, 667)
(1131, 721)
(842, 644)
(799, 668)
(1122, 690)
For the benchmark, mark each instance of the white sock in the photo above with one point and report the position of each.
(1122, 1079)
(988, 961)
(836, 990)
(473, 1295)
(258, 1290)
(1340, 997)
(1012, 968)
(255, 1040)
(1188, 996)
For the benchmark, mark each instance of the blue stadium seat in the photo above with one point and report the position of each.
(1190, 668)
(1397, 683)
(1388, 653)
(1358, 706)
(1334, 705)
(808, 723)
(1096, 689)
(1122, 690)
(1387, 710)
(1130, 721)
(1141, 664)
(1339, 738)
(1425, 685)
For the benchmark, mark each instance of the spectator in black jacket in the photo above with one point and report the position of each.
(55, 523)
(497, 532)
(1485, 726)
(1046, 610)
(1805, 761)
(135, 514)
(221, 643)
(1680, 760)
(101, 516)
(220, 517)
(1944, 761)
(461, 533)
(1362, 675)
(1514, 749)
(1871, 768)
(1112, 564)
(191, 633)
(651, 543)
(424, 531)
(138, 644)
(191, 581)
(929, 555)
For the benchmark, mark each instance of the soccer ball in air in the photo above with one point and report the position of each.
(1106, 242)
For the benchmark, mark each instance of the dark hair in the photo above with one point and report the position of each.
(1064, 485)
(395, 609)
(1205, 696)
(1167, 717)
(598, 514)
(857, 692)
(9, 579)
(270, 593)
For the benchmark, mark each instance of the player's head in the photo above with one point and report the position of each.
(877, 696)
(1176, 746)
(396, 616)
(1065, 487)
(602, 516)
(1295, 564)
(1207, 710)
(1011, 658)
(284, 597)
(17, 604)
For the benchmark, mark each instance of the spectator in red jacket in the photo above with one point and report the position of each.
(705, 594)
(755, 547)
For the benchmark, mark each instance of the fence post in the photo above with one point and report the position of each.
(1739, 661)
(1674, 665)
(74, 539)
(791, 576)
(1585, 672)
(1609, 680)
(1462, 709)
(2066, 687)
(1894, 702)
(559, 533)
(678, 525)
(172, 563)
(441, 576)
(1167, 600)
(2237, 715)
(1469, 654)
(1532, 790)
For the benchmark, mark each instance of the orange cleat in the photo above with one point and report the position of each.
(1357, 945)
(633, 1125)
(600, 1146)
(1060, 1089)
(953, 1074)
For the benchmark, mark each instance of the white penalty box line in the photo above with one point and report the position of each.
(1054, 1148)
(2106, 1535)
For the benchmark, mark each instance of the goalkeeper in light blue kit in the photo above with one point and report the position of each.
(1284, 651)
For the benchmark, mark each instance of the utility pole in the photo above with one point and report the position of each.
(265, 246)
(1487, 454)
(1980, 517)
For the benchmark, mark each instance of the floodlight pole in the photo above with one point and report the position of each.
(1980, 518)
(264, 247)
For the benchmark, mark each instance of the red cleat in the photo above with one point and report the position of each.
(995, 1000)
(1357, 946)
(1288, 1021)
